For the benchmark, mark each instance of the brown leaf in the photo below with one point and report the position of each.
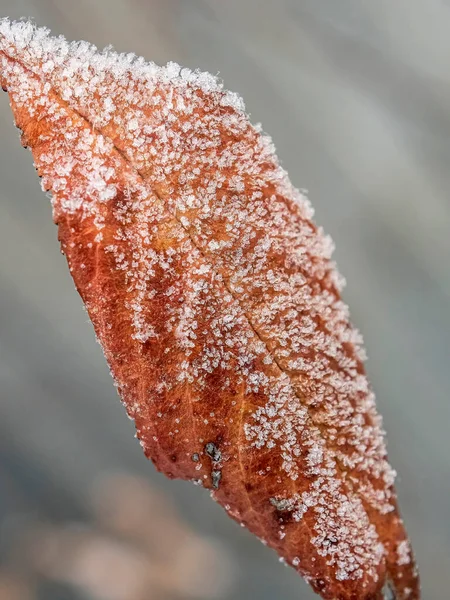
(216, 304)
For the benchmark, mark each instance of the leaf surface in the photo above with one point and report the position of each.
(216, 302)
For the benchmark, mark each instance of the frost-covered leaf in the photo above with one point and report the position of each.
(216, 303)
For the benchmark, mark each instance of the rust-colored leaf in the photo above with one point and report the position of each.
(216, 302)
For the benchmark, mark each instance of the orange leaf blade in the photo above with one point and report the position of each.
(216, 302)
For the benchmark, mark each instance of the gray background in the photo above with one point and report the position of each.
(356, 95)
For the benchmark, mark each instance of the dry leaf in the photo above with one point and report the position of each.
(216, 303)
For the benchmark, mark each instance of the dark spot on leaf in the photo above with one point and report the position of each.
(332, 541)
(213, 452)
(319, 585)
(173, 458)
(216, 476)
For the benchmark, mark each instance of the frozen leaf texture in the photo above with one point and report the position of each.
(216, 302)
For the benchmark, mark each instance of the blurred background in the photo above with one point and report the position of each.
(356, 95)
